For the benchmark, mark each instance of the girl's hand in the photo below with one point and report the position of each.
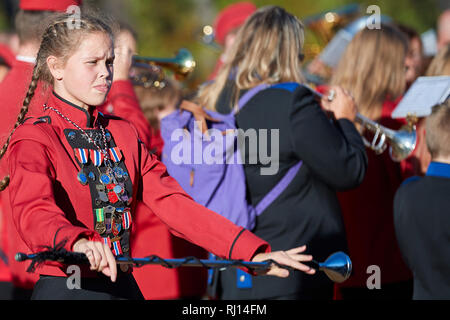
(100, 257)
(342, 104)
(124, 50)
(290, 258)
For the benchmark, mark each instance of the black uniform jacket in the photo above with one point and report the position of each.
(307, 212)
(422, 226)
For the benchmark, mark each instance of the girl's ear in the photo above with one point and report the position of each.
(55, 66)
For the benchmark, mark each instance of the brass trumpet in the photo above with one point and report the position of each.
(148, 71)
(402, 142)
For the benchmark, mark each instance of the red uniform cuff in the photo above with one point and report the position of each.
(71, 234)
(120, 87)
(246, 245)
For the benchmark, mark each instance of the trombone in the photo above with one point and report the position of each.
(151, 73)
(402, 142)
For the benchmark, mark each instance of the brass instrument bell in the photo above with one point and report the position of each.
(148, 71)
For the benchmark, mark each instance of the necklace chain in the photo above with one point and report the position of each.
(104, 151)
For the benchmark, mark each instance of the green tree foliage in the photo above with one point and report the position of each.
(165, 26)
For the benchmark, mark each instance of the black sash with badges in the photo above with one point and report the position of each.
(109, 184)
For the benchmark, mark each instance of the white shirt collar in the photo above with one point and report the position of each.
(26, 59)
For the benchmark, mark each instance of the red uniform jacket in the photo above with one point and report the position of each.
(368, 216)
(5, 274)
(155, 282)
(12, 93)
(122, 102)
(49, 204)
(6, 55)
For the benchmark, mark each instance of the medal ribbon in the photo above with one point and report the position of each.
(115, 153)
(96, 157)
(126, 219)
(107, 241)
(99, 215)
(117, 249)
(82, 155)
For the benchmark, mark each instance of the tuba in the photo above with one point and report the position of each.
(148, 71)
(323, 27)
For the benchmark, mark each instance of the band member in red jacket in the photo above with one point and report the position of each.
(29, 24)
(76, 176)
(6, 60)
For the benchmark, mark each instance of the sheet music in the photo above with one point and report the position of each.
(423, 94)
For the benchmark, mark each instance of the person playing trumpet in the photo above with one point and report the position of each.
(373, 70)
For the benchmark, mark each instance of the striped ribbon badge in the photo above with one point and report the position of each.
(82, 155)
(96, 157)
(126, 219)
(117, 249)
(107, 241)
(99, 214)
(116, 154)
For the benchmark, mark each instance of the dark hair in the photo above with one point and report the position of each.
(410, 32)
(125, 26)
(60, 39)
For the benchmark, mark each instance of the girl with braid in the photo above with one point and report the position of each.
(76, 175)
(29, 24)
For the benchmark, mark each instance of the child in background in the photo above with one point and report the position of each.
(157, 101)
(421, 213)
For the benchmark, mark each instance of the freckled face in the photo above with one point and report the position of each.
(87, 74)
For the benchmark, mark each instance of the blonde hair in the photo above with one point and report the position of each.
(440, 65)
(266, 50)
(60, 39)
(372, 68)
(437, 130)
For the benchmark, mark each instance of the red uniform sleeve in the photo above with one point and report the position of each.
(39, 221)
(126, 106)
(189, 220)
(7, 55)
